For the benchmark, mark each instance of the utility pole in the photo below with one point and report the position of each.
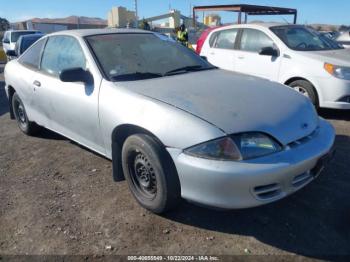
(136, 15)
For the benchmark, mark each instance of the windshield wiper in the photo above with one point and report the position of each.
(136, 76)
(188, 69)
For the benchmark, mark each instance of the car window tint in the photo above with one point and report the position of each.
(62, 52)
(32, 56)
(226, 39)
(254, 40)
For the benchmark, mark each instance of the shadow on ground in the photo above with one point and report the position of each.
(4, 108)
(314, 222)
(335, 114)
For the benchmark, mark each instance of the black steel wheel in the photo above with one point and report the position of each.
(27, 127)
(150, 173)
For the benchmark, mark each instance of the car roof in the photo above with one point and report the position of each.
(256, 25)
(90, 32)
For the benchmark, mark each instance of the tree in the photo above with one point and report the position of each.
(4, 24)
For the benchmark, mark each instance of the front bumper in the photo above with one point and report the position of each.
(231, 185)
(334, 93)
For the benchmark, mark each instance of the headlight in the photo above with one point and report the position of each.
(341, 72)
(237, 147)
(253, 145)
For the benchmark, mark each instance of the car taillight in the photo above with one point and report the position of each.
(202, 39)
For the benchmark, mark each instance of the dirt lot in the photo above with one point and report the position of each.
(59, 198)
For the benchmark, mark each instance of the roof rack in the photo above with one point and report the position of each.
(247, 10)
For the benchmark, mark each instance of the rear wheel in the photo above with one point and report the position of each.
(151, 175)
(305, 88)
(27, 127)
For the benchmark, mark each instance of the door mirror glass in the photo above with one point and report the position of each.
(76, 75)
(269, 51)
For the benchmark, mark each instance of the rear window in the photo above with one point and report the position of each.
(16, 35)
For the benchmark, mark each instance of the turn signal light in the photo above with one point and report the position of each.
(329, 68)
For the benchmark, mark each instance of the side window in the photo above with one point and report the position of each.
(226, 39)
(6, 37)
(254, 40)
(62, 52)
(32, 56)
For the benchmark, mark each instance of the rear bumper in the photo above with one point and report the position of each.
(231, 185)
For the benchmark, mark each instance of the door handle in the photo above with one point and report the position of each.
(36, 83)
(212, 53)
(241, 57)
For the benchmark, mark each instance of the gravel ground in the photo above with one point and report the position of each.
(59, 198)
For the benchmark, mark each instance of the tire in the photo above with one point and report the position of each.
(27, 127)
(151, 174)
(307, 89)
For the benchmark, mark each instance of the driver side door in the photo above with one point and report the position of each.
(249, 61)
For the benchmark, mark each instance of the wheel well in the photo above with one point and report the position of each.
(119, 136)
(291, 80)
(11, 91)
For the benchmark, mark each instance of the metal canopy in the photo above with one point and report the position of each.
(248, 10)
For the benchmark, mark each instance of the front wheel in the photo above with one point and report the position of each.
(150, 173)
(27, 127)
(305, 88)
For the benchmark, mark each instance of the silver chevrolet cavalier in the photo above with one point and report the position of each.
(174, 126)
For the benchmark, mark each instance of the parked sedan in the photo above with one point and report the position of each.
(173, 125)
(294, 55)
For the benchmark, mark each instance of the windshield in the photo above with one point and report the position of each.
(128, 57)
(16, 35)
(304, 39)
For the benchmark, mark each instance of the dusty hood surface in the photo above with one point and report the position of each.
(339, 57)
(234, 102)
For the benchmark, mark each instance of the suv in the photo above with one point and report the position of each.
(10, 38)
(293, 55)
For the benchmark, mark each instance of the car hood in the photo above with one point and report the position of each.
(234, 102)
(339, 57)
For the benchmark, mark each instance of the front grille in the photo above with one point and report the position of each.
(302, 179)
(266, 192)
(304, 139)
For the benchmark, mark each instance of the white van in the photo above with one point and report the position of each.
(293, 55)
(10, 38)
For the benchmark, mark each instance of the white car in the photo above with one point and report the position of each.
(344, 39)
(293, 55)
(10, 38)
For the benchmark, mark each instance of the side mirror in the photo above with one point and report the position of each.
(11, 53)
(76, 75)
(269, 51)
(6, 41)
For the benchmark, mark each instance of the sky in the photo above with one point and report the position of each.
(335, 12)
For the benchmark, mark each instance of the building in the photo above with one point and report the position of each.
(121, 17)
(212, 20)
(47, 25)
